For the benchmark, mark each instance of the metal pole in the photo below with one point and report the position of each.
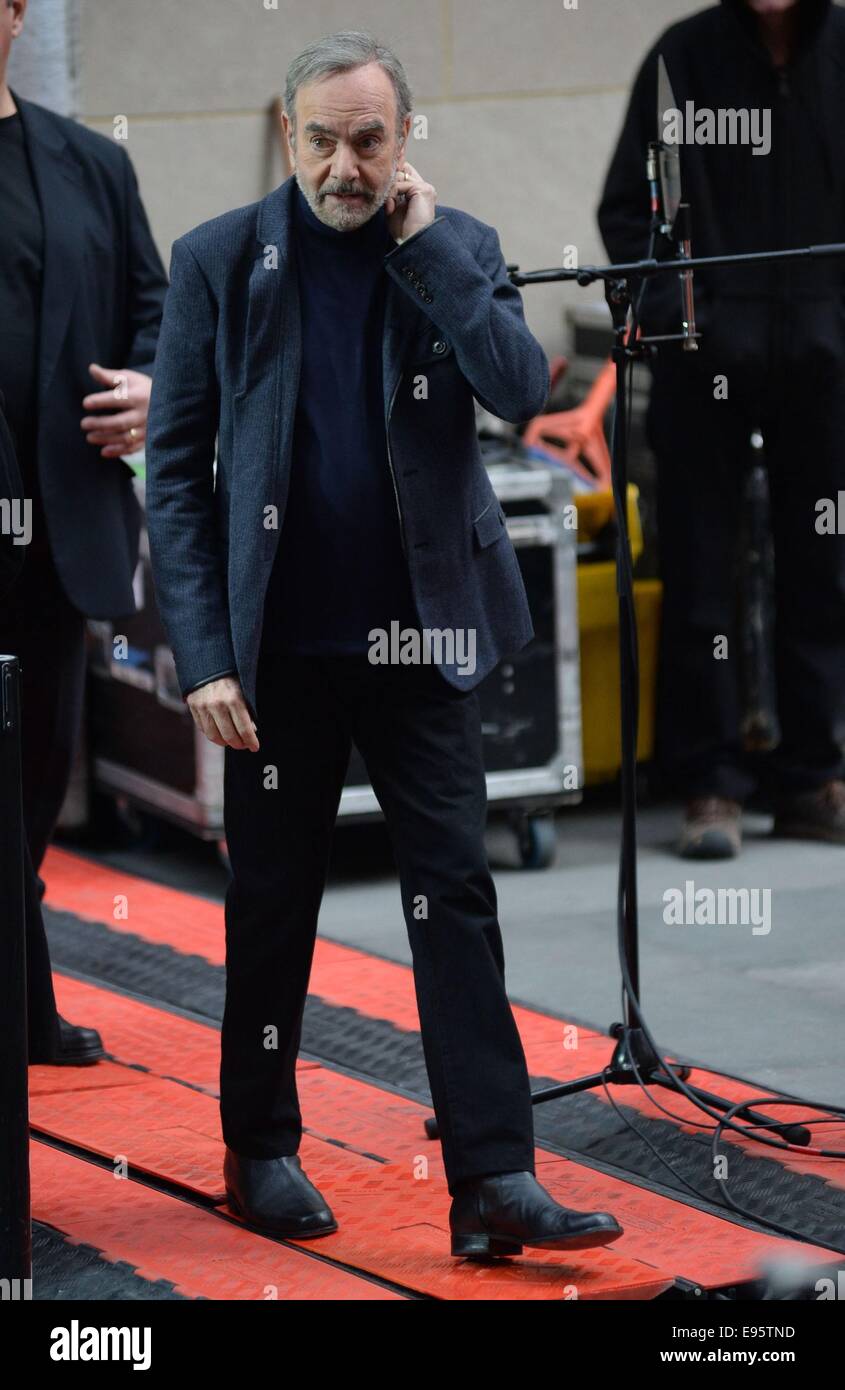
(15, 1219)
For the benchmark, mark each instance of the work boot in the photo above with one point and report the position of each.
(498, 1213)
(814, 815)
(712, 829)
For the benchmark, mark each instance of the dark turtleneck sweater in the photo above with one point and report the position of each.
(339, 569)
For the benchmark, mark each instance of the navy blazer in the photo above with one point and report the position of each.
(102, 296)
(227, 369)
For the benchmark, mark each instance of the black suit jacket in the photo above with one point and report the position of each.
(102, 298)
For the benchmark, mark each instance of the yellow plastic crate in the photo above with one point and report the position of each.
(598, 621)
(596, 509)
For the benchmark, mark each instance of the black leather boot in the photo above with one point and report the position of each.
(74, 1047)
(500, 1212)
(275, 1195)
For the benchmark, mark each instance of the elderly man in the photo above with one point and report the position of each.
(331, 338)
(81, 292)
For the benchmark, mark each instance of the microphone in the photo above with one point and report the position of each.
(654, 189)
(683, 233)
(676, 213)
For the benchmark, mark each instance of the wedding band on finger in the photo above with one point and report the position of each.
(133, 433)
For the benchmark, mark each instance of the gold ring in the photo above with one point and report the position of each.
(133, 433)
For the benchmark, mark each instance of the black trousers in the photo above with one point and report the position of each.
(421, 741)
(701, 446)
(40, 626)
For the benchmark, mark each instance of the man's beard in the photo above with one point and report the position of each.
(345, 217)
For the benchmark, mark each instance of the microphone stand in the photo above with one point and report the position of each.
(635, 1061)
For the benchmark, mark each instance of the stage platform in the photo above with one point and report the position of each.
(126, 1160)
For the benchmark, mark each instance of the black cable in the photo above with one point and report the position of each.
(645, 1139)
(776, 1226)
(771, 1100)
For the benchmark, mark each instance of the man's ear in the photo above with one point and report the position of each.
(403, 144)
(288, 133)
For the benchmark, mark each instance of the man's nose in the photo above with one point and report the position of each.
(345, 165)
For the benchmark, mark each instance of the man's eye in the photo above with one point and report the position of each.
(370, 140)
(319, 140)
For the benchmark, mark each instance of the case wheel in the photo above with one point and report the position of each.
(537, 840)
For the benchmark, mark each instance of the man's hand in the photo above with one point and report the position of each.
(220, 712)
(410, 203)
(123, 431)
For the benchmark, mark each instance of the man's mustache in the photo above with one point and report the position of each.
(346, 188)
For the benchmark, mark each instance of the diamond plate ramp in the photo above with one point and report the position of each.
(779, 1186)
(163, 1239)
(355, 991)
(390, 1221)
(378, 1129)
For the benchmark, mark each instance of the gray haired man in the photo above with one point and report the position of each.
(299, 332)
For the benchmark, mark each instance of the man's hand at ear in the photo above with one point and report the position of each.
(220, 712)
(410, 203)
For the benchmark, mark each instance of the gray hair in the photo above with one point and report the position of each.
(343, 52)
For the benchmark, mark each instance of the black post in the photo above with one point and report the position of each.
(15, 1221)
(619, 300)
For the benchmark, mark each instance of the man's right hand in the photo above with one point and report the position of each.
(219, 710)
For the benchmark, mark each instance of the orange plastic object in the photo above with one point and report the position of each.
(342, 976)
(366, 1148)
(576, 436)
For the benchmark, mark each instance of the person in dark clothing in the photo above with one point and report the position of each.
(771, 357)
(80, 1044)
(363, 298)
(81, 284)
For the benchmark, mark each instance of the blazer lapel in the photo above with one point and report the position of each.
(265, 400)
(272, 326)
(58, 180)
